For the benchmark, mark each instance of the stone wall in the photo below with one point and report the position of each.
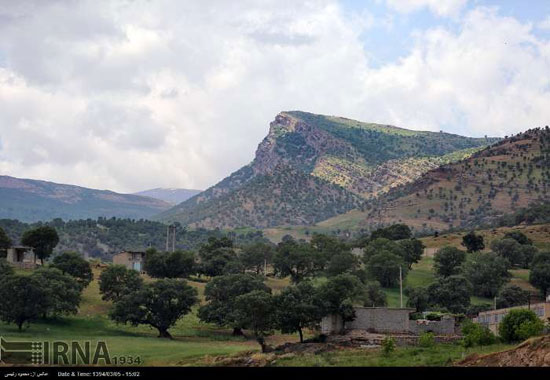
(380, 319)
(444, 327)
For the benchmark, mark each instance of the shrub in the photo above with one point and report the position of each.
(477, 335)
(426, 340)
(519, 325)
(388, 345)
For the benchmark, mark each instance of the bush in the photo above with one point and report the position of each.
(426, 340)
(388, 345)
(477, 335)
(519, 325)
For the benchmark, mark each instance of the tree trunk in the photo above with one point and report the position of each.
(261, 341)
(163, 333)
(237, 331)
(301, 335)
(20, 326)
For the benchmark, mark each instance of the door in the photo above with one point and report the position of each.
(137, 266)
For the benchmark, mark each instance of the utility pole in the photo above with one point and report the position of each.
(401, 285)
(171, 238)
(167, 237)
(495, 303)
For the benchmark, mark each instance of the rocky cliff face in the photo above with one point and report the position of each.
(337, 163)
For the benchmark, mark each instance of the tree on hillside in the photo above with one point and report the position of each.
(256, 311)
(512, 295)
(374, 296)
(448, 261)
(63, 292)
(337, 295)
(294, 259)
(518, 236)
(384, 267)
(516, 253)
(159, 304)
(343, 262)
(487, 272)
(214, 258)
(221, 293)
(393, 232)
(5, 242)
(178, 264)
(42, 239)
(117, 281)
(452, 293)
(325, 248)
(24, 300)
(417, 298)
(382, 244)
(413, 250)
(539, 275)
(257, 256)
(297, 309)
(6, 268)
(473, 242)
(75, 265)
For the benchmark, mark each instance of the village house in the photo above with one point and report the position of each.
(21, 257)
(492, 318)
(130, 259)
(387, 320)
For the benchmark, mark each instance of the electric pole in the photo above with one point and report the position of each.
(401, 285)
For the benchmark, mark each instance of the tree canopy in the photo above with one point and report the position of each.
(42, 239)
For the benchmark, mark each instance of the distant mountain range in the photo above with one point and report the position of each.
(31, 200)
(313, 167)
(173, 196)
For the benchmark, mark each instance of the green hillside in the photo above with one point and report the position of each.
(312, 167)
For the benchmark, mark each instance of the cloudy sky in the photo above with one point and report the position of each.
(130, 95)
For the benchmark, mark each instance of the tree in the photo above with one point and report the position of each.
(512, 295)
(343, 262)
(178, 264)
(6, 269)
(297, 309)
(42, 239)
(294, 259)
(487, 272)
(117, 281)
(24, 300)
(221, 293)
(417, 298)
(473, 242)
(159, 304)
(256, 256)
(256, 311)
(448, 260)
(539, 275)
(382, 245)
(5, 241)
(63, 292)
(514, 252)
(519, 324)
(384, 267)
(324, 248)
(393, 232)
(374, 295)
(212, 263)
(413, 250)
(477, 335)
(452, 293)
(337, 295)
(74, 264)
(518, 236)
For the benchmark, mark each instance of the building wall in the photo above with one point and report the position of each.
(380, 319)
(444, 327)
(492, 318)
(122, 259)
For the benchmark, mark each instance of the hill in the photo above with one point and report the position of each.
(312, 167)
(172, 196)
(30, 201)
(502, 179)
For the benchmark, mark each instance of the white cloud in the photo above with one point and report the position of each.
(135, 95)
(544, 24)
(443, 8)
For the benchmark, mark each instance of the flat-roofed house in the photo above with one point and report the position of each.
(21, 257)
(492, 318)
(130, 259)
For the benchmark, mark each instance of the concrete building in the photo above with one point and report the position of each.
(21, 257)
(130, 259)
(492, 318)
(386, 320)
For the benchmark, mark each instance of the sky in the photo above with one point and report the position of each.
(130, 95)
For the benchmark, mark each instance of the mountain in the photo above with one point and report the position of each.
(312, 167)
(30, 201)
(173, 196)
(510, 175)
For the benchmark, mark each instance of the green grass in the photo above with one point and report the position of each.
(439, 355)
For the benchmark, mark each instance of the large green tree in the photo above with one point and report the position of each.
(452, 293)
(256, 257)
(512, 295)
(295, 259)
(412, 250)
(418, 298)
(221, 293)
(539, 275)
(374, 296)
(24, 299)
(516, 253)
(393, 232)
(384, 267)
(42, 239)
(338, 294)
(448, 261)
(159, 304)
(6, 268)
(117, 281)
(178, 264)
(519, 325)
(297, 309)
(74, 264)
(473, 242)
(5, 242)
(487, 272)
(256, 310)
(63, 292)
